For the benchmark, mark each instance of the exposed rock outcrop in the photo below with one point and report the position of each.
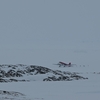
(15, 73)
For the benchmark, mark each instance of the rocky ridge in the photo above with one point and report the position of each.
(12, 95)
(20, 72)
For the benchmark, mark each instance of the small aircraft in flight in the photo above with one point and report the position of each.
(64, 64)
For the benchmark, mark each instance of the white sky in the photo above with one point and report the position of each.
(28, 28)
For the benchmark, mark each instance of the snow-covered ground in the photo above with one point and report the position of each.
(88, 89)
(57, 90)
(44, 32)
(77, 90)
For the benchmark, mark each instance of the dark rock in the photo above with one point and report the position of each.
(21, 70)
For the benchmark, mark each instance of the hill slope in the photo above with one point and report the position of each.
(20, 72)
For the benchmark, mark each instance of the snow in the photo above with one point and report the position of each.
(83, 89)
(72, 90)
(87, 65)
(44, 32)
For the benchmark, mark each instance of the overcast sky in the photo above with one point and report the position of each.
(28, 26)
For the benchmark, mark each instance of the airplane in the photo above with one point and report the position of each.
(64, 64)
